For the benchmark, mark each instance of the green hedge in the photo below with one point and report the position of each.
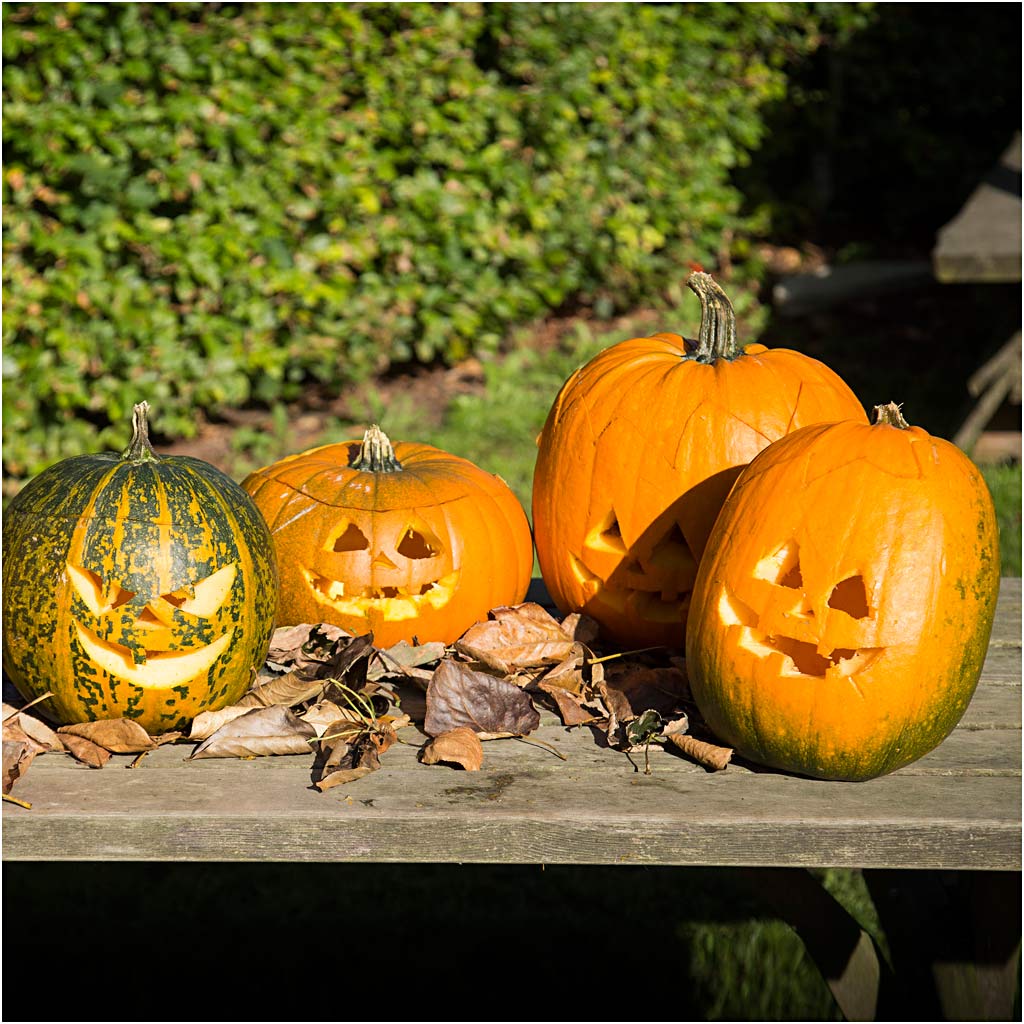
(211, 204)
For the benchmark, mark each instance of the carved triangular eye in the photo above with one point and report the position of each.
(99, 596)
(607, 534)
(347, 537)
(418, 544)
(206, 596)
(851, 596)
(782, 568)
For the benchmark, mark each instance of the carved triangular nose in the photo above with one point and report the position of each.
(381, 561)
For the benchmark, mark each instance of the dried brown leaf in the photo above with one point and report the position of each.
(260, 732)
(299, 646)
(84, 750)
(118, 735)
(19, 751)
(206, 723)
(572, 707)
(709, 755)
(459, 696)
(287, 690)
(516, 637)
(406, 661)
(582, 628)
(460, 746)
(34, 727)
(341, 776)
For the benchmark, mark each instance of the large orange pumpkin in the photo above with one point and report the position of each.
(640, 449)
(842, 611)
(402, 541)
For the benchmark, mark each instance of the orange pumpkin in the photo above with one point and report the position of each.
(640, 449)
(842, 612)
(402, 541)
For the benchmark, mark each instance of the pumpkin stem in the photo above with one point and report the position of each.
(375, 454)
(139, 449)
(890, 414)
(717, 339)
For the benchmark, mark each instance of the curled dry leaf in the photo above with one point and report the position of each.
(118, 735)
(406, 661)
(19, 751)
(288, 690)
(84, 750)
(709, 755)
(516, 637)
(259, 732)
(34, 727)
(347, 757)
(298, 647)
(206, 723)
(459, 746)
(459, 696)
(573, 708)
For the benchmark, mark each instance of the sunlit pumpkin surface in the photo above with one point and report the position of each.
(841, 615)
(137, 588)
(421, 545)
(637, 455)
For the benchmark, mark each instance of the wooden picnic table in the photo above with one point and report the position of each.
(958, 809)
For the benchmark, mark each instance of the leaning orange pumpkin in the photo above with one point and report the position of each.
(640, 449)
(402, 541)
(842, 612)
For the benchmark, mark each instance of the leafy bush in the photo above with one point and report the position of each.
(212, 204)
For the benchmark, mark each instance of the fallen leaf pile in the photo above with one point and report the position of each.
(343, 702)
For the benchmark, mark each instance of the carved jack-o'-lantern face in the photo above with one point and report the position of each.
(397, 575)
(403, 542)
(819, 628)
(163, 641)
(135, 586)
(644, 581)
(841, 613)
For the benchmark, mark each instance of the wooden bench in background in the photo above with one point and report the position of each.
(941, 836)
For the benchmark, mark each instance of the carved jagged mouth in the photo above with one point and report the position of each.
(654, 605)
(162, 669)
(394, 603)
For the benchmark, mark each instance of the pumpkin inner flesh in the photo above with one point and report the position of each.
(394, 603)
(160, 669)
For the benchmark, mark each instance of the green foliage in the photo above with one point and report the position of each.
(1005, 484)
(211, 204)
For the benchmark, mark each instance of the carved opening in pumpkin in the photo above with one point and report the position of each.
(393, 602)
(418, 544)
(157, 659)
(100, 597)
(806, 657)
(653, 582)
(162, 669)
(607, 534)
(347, 537)
(851, 596)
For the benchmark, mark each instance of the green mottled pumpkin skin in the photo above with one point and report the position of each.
(144, 532)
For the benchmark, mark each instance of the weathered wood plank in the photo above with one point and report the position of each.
(983, 241)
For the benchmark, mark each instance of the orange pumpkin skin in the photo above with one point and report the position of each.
(404, 542)
(638, 453)
(842, 612)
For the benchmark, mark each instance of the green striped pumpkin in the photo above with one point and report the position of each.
(135, 586)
